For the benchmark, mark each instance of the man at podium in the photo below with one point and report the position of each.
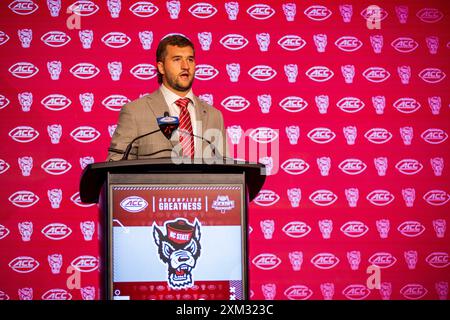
(142, 131)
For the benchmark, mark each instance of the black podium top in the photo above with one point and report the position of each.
(94, 175)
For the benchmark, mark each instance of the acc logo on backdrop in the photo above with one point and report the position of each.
(4, 166)
(133, 204)
(430, 15)
(84, 70)
(144, 9)
(85, 134)
(55, 39)
(261, 11)
(292, 42)
(264, 135)
(4, 101)
(85, 263)
(266, 198)
(83, 8)
(56, 166)
(57, 294)
(23, 7)
(298, 292)
(325, 260)
(56, 102)
(23, 134)
(356, 292)
(411, 228)
(262, 73)
(319, 73)
(75, 198)
(432, 75)
(4, 231)
(378, 135)
(321, 135)
(23, 199)
(235, 103)
(23, 70)
(348, 43)
(323, 198)
(234, 41)
(296, 229)
(438, 259)
(56, 231)
(352, 166)
(116, 39)
(376, 74)
(318, 13)
(434, 136)
(115, 102)
(23, 264)
(380, 197)
(413, 291)
(295, 166)
(354, 229)
(436, 197)
(202, 10)
(266, 261)
(404, 44)
(407, 105)
(382, 260)
(3, 38)
(144, 71)
(409, 166)
(293, 104)
(350, 104)
(374, 13)
(205, 72)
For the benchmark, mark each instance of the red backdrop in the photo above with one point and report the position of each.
(360, 180)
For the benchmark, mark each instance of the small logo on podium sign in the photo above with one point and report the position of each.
(223, 204)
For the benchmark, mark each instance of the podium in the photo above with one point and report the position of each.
(173, 231)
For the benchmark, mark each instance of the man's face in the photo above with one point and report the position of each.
(178, 68)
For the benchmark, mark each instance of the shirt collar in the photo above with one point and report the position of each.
(171, 97)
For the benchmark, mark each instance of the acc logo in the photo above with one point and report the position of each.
(380, 197)
(298, 292)
(266, 198)
(55, 39)
(295, 166)
(293, 104)
(374, 13)
(266, 261)
(436, 197)
(234, 41)
(23, 7)
(354, 229)
(83, 8)
(296, 229)
(3, 296)
(133, 204)
(321, 135)
(378, 135)
(319, 73)
(235, 103)
(3, 101)
(115, 102)
(84, 70)
(430, 15)
(262, 73)
(356, 292)
(411, 229)
(404, 44)
(409, 166)
(144, 71)
(4, 166)
(434, 136)
(3, 38)
(376, 74)
(323, 198)
(85, 134)
(438, 259)
(348, 43)
(202, 10)
(23, 134)
(23, 199)
(318, 13)
(205, 72)
(413, 291)
(76, 199)
(23, 70)
(56, 166)
(261, 11)
(264, 135)
(57, 294)
(56, 102)
(325, 260)
(292, 42)
(432, 75)
(116, 39)
(382, 260)
(407, 105)
(23, 264)
(144, 9)
(56, 231)
(352, 166)
(85, 263)
(4, 231)
(350, 104)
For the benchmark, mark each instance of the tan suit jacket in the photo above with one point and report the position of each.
(139, 117)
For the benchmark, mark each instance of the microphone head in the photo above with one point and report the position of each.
(168, 124)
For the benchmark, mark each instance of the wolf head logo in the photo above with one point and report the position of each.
(179, 248)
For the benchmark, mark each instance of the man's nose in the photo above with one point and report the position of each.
(184, 64)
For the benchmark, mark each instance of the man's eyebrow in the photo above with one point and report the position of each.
(178, 56)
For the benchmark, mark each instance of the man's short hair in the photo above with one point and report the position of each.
(173, 40)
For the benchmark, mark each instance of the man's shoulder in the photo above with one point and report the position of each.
(208, 106)
(141, 102)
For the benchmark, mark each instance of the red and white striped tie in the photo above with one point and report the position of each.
(186, 138)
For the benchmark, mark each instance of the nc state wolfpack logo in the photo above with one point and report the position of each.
(261, 11)
(292, 42)
(411, 228)
(179, 248)
(348, 43)
(235, 103)
(318, 13)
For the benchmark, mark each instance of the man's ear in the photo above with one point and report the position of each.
(160, 66)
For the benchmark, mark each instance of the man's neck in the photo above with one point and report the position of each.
(178, 93)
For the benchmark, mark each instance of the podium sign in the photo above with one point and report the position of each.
(177, 237)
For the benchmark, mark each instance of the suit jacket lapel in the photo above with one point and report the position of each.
(157, 104)
(201, 113)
